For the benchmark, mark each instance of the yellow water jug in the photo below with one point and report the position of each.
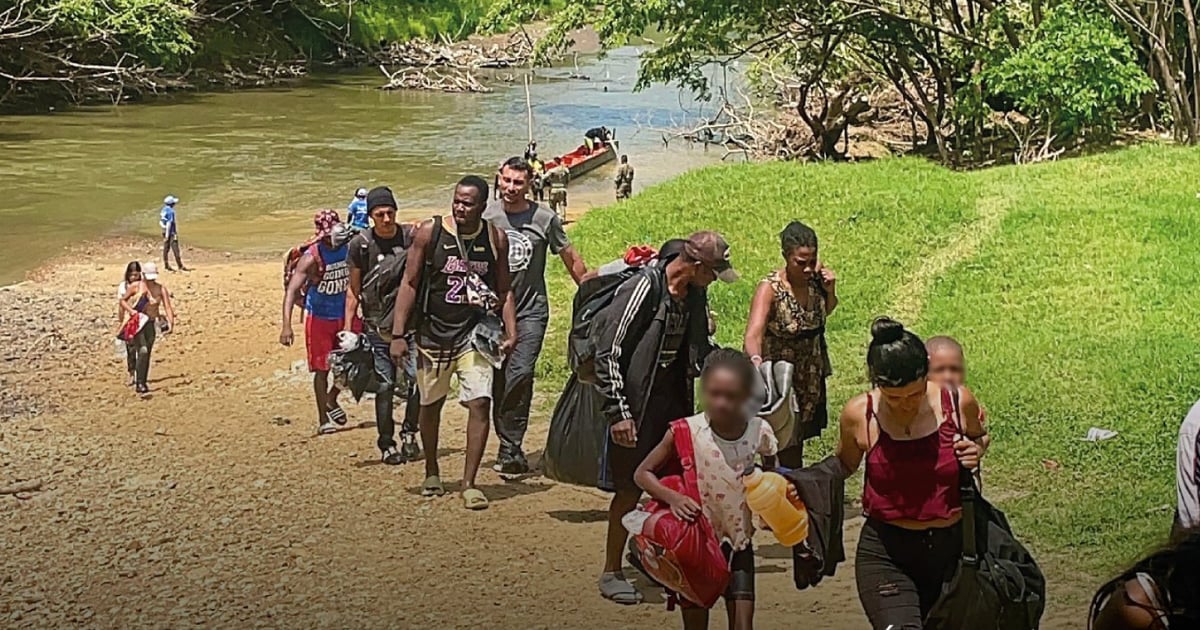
(766, 494)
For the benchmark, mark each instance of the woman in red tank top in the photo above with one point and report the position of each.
(914, 436)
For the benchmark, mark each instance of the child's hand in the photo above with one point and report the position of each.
(967, 451)
(684, 507)
(793, 495)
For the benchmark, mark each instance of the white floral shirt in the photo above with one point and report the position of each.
(720, 464)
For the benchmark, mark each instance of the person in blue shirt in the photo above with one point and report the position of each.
(356, 212)
(170, 232)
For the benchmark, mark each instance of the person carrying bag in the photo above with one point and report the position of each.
(997, 583)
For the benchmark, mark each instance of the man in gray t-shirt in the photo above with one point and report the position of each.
(532, 232)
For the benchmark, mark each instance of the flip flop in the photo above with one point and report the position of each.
(432, 487)
(619, 590)
(474, 499)
(336, 414)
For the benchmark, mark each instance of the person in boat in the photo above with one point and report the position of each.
(597, 138)
(558, 178)
(624, 179)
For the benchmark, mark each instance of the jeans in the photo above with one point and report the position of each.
(171, 244)
(143, 343)
(512, 387)
(900, 572)
(385, 377)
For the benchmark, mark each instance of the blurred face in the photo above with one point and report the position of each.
(467, 207)
(514, 184)
(384, 218)
(134, 275)
(947, 367)
(905, 399)
(725, 396)
(801, 262)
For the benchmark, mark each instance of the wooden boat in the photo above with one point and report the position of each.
(581, 160)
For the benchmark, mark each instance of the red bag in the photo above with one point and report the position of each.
(639, 255)
(684, 557)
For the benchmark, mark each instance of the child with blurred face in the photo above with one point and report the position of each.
(947, 365)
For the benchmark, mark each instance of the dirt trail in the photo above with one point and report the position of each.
(213, 503)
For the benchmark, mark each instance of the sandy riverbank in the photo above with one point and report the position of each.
(213, 502)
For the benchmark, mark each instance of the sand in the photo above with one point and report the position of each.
(214, 503)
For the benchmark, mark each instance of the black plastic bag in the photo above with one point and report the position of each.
(578, 433)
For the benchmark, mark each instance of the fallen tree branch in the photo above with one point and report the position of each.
(21, 486)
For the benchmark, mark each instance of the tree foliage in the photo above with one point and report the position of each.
(1067, 66)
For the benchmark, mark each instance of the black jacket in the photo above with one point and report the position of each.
(628, 335)
(822, 488)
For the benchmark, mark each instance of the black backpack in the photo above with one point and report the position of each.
(592, 297)
(997, 585)
(381, 283)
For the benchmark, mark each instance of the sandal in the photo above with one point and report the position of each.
(615, 588)
(474, 499)
(336, 414)
(432, 487)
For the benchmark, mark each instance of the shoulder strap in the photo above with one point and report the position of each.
(682, 434)
(431, 249)
(967, 492)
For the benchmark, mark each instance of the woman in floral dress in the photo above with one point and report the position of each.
(787, 323)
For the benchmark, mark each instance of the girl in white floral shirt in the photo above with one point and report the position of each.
(725, 441)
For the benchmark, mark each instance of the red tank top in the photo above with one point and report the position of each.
(913, 480)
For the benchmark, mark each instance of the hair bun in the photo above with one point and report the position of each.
(886, 330)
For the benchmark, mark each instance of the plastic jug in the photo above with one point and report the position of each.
(766, 494)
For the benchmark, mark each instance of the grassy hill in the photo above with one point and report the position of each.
(1074, 287)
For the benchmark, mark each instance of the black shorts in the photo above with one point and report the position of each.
(670, 400)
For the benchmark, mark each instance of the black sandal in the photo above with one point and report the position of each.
(336, 414)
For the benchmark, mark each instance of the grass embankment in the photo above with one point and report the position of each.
(1072, 286)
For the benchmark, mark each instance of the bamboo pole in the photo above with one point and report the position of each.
(528, 108)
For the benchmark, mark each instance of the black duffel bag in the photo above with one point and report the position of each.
(997, 585)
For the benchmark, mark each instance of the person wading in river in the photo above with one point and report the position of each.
(323, 268)
(624, 179)
(558, 178)
(154, 300)
(651, 340)
(170, 232)
(532, 230)
(465, 283)
(367, 250)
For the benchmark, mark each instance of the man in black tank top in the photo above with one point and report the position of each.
(468, 259)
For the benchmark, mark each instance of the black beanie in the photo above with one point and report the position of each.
(380, 196)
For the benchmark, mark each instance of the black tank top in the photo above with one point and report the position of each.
(445, 331)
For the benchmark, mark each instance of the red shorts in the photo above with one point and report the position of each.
(320, 338)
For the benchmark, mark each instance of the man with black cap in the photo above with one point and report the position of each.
(650, 343)
(367, 250)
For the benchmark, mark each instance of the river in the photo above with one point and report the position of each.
(250, 167)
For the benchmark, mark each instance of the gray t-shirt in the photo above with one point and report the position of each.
(530, 235)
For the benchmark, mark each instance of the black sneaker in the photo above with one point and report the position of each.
(392, 456)
(409, 448)
(142, 388)
(512, 467)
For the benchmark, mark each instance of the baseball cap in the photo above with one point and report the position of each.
(324, 221)
(711, 249)
(361, 192)
(150, 271)
(170, 200)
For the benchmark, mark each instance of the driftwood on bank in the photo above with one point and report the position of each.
(450, 67)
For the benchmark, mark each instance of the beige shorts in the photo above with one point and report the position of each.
(472, 370)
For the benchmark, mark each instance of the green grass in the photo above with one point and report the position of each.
(1077, 306)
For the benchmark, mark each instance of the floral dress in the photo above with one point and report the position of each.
(796, 333)
(720, 465)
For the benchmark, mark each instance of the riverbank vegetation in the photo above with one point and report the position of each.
(1065, 281)
(971, 82)
(55, 51)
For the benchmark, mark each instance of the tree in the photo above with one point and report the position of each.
(1167, 33)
